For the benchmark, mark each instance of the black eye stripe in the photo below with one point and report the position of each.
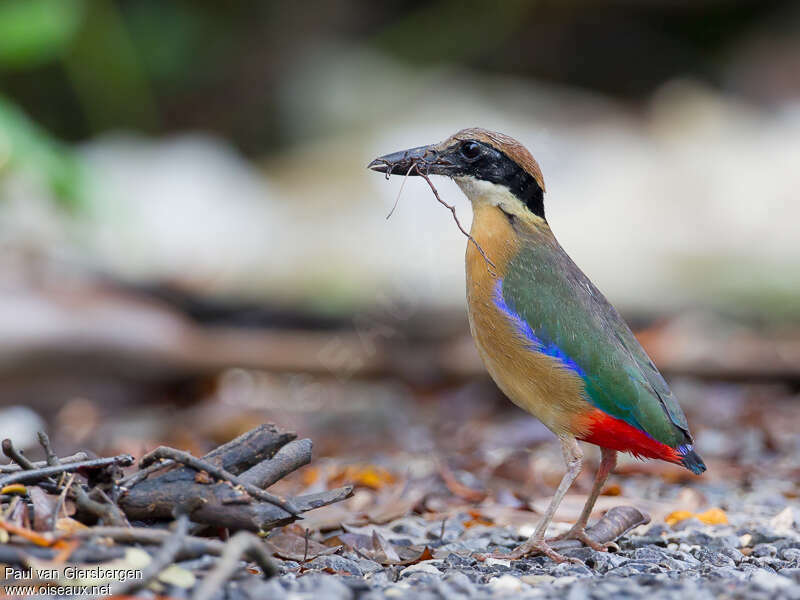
(490, 164)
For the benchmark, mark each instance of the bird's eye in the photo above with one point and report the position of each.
(470, 150)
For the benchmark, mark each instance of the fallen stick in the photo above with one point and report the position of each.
(250, 448)
(235, 456)
(165, 556)
(218, 504)
(291, 457)
(51, 457)
(108, 512)
(145, 535)
(38, 474)
(77, 457)
(240, 545)
(163, 452)
(16, 455)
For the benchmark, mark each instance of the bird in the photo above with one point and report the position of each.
(547, 336)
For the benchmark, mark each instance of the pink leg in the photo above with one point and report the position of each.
(608, 462)
(537, 544)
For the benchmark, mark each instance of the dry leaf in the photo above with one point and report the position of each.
(357, 541)
(382, 546)
(292, 546)
(68, 525)
(395, 505)
(459, 489)
(44, 507)
(713, 516)
(177, 576)
(370, 476)
(478, 519)
(309, 476)
(677, 516)
(30, 535)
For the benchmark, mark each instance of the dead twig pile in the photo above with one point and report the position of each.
(79, 522)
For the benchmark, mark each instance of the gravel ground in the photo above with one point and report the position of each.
(755, 556)
(747, 436)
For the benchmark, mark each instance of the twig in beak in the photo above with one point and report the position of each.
(402, 185)
(489, 263)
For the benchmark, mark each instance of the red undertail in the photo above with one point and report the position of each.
(615, 434)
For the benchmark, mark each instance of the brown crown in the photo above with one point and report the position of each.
(505, 144)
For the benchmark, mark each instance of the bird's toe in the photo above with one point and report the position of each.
(532, 548)
(580, 534)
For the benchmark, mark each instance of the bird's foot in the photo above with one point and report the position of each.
(532, 547)
(579, 533)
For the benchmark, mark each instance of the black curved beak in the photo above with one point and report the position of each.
(426, 159)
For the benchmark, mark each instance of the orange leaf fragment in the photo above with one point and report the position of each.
(370, 476)
(309, 475)
(478, 521)
(15, 488)
(66, 550)
(713, 516)
(677, 516)
(68, 525)
(30, 535)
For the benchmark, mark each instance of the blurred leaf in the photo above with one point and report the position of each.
(677, 516)
(106, 72)
(36, 31)
(449, 30)
(177, 576)
(25, 146)
(713, 516)
(15, 488)
(292, 546)
(370, 476)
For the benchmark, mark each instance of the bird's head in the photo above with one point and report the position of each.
(490, 168)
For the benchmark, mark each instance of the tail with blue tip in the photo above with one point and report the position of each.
(691, 459)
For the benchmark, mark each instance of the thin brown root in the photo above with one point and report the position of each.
(402, 185)
(489, 263)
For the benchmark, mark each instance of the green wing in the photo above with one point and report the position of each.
(570, 318)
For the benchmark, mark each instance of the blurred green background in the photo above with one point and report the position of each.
(221, 146)
(171, 171)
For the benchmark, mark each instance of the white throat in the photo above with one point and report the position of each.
(482, 192)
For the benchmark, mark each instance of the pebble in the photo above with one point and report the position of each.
(695, 561)
(423, 567)
(538, 579)
(716, 559)
(491, 562)
(340, 564)
(762, 550)
(791, 572)
(506, 584)
(770, 581)
(460, 561)
(457, 583)
(791, 554)
(323, 585)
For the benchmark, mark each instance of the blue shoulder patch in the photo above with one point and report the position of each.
(536, 344)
